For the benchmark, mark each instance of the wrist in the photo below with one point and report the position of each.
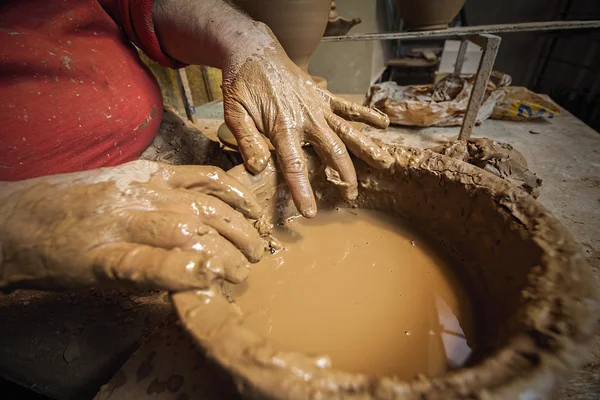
(7, 189)
(244, 45)
(208, 32)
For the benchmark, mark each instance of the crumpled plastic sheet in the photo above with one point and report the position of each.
(445, 103)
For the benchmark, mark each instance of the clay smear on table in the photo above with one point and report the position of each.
(360, 287)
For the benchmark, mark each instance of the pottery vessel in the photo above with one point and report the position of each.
(536, 306)
(428, 14)
(338, 25)
(298, 24)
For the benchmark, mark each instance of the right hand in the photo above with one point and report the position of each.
(267, 95)
(141, 224)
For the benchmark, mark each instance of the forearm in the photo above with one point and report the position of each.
(208, 32)
(8, 188)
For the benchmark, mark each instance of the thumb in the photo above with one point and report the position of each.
(150, 267)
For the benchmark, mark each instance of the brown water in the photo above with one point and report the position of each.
(364, 289)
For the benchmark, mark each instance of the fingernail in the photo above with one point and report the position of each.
(239, 274)
(386, 160)
(383, 120)
(352, 193)
(310, 212)
(255, 253)
(255, 210)
(256, 165)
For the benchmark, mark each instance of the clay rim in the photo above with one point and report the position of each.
(534, 358)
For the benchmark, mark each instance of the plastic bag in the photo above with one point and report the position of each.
(442, 104)
(519, 104)
(445, 103)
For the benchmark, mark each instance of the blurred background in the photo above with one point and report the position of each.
(563, 64)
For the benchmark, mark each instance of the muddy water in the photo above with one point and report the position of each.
(364, 289)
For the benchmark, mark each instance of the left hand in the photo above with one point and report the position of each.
(268, 94)
(141, 224)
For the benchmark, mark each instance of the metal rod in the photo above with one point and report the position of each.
(188, 101)
(460, 57)
(490, 45)
(469, 30)
(206, 79)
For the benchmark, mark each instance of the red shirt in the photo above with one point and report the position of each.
(74, 94)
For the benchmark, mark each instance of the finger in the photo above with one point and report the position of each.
(253, 147)
(353, 112)
(165, 229)
(224, 259)
(213, 212)
(333, 154)
(359, 144)
(216, 182)
(150, 267)
(175, 230)
(293, 167)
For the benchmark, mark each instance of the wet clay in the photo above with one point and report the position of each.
(500, 159)
(535, 301)
(363, 289)
(141, 224)
(179, 142)
(338, 25)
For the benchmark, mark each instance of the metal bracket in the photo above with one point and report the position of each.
(460, 58)
(481, 35)
(489, 44)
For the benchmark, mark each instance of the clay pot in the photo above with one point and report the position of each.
(536, 303)
(338, 25)
(298, 24)
(428, 14)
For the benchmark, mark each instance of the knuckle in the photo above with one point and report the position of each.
(247, 141)
(335, 123)
(353, 106)
(215, 266)
(293, 165)
(338, 151)
(211, 207)
(346, 128)
(216, 176)
(212, 171)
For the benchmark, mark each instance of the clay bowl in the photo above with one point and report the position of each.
(429, 14)
(298, 24)
(536, 303)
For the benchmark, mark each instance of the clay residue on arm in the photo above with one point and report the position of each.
(224, 33)
(122, 176)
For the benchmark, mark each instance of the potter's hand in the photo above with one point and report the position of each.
(141, 224)
(265, 93)
(270, 95)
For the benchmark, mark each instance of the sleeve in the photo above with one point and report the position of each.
(135, 18)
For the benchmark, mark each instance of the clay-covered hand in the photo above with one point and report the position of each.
(268, 94)
(141, 224)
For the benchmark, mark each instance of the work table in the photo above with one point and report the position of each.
(84, 349)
